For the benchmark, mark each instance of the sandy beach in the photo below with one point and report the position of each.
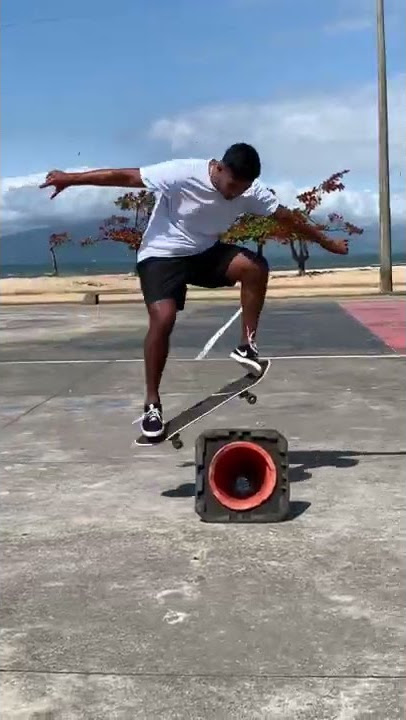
(118, 288)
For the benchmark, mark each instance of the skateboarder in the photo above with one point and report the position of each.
(196, 201)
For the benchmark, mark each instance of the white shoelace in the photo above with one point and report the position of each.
(251, 341)
(153, 412)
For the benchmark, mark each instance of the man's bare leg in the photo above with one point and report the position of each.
(162, 316)
(252, 273)
(253, 289)
(253, 276)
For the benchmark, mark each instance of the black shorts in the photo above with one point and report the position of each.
(164, 278)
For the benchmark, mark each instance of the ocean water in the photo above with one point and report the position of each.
(277, 262)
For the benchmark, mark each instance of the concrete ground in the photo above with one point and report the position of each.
(118, 602)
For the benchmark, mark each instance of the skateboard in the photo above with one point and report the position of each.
(236, 388)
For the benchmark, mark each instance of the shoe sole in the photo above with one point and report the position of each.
(153, 434)
(246, 362)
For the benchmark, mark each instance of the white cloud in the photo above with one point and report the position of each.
(349, 16)
(311, 136)
(360, 206)
(301, 141)
(25, 206)
(306, 138)
(346, 25)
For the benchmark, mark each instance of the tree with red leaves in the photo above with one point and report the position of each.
(295, 227)
(127, 229)
(56, 240)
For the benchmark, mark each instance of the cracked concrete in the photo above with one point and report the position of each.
(118, 602)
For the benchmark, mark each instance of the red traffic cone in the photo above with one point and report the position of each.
(242, 475)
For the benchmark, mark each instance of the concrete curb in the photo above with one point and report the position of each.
(106, 297)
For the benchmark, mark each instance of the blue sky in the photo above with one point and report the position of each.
(97, 83)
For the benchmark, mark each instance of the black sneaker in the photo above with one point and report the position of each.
(247, 355)
(152, 424)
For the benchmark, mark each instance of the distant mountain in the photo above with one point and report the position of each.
(30, 248)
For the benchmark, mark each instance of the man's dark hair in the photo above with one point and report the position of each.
(243, 161)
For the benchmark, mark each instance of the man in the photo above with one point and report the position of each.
(197, 200)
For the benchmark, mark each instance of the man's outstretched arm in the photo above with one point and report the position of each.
(339, 247)
(122, 177)
(264, 202)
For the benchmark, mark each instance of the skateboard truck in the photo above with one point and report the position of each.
(176, 441)
(251, 398)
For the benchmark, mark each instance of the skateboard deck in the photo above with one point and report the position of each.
(236, 388)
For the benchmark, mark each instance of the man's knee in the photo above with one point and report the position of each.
(162, 316)
(264, 264)
(256, 267)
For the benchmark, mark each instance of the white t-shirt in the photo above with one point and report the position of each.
(189, 213)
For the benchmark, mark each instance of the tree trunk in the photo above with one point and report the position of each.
(54, 263)
(304, 256)
(260, 250)
(300, 255)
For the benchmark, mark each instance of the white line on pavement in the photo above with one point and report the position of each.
(217, 335)
(383, 356)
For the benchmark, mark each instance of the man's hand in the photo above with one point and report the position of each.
(305, 228)
(58, 179)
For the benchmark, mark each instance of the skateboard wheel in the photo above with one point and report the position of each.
(251, 398)
(177, 442)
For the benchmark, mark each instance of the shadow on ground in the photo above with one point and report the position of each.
(301, 463)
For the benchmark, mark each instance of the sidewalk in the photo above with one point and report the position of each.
(345, 282)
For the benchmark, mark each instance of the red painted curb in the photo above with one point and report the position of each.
(386, 319)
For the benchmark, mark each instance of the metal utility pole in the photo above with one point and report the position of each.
(384, 190)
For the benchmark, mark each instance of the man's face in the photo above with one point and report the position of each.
(224, 182)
